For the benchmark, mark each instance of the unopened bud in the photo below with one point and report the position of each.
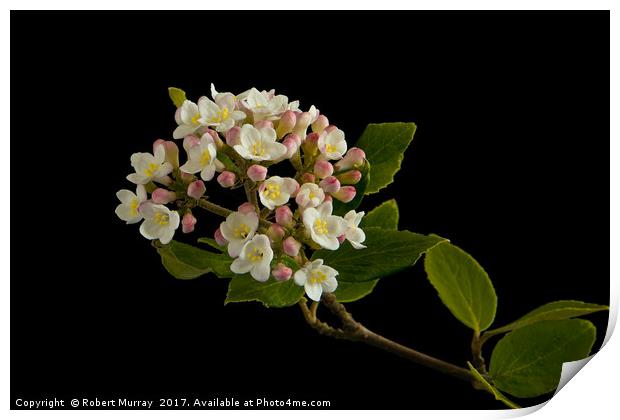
(284, 216)
(247, 208)
(263, 124)
(320, 124)
(323, 169)
(291, 246)
(232, 136)
(216, 138)
(226, 179)
(341, 238)
(187, 178)
(196, 189)
(310, 145)
(330, 184)
(257, 173)
(307, 177)
(286, 124)
(302, 123)
(189, 141)
(172, 151)
(330, 128)
(275, 232)
(291, 146)
(345, 194)
(219, 238)
(350, 177)
(353, 159)
(163, 196)
(281, 272)
(188, 223)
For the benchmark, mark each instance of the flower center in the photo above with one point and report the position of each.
(255, 255)
(330, 148)
(272, 191)
(150, 170)
(320, 227)
(242, 231)
(161, 219)
(222, 115)
(317, 276)
(205, 158)
(134, 207)
(258, 149)
(195, 118)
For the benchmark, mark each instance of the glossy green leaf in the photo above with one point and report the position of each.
(383, 216)
(212, 243)
(562, 309)
(351, 291)
(341, 208)
(385, 145)
(177, 96)
(187, 262)
(272, 293)
(386, 252)
(462, 284)
(528, 362)
(490, 388)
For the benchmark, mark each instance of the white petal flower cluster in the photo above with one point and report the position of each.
(246, 138)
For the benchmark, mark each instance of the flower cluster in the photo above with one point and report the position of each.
(239, 140)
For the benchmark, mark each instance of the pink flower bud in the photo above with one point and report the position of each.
(275, 232)
(302, 123)
(307, 177)
(291, 246)
(330, 184)
(196, 189)
(310, 145)
(216, 138)
(345, 194)
(163, 196)
(353, 159)
(187, 178)
(341, 238)
(219, 238)
(232, 136)
(226, 179)
(284, 216)
(328, 198)
(330, 128)
(188, 222)
(295, 137)
(247, 208)
(286, 124)
(282, 272)
(257, 173)
(320, 124)
(350, 177)
(291, 146)
(189, 141)
(172, 151)
(323, 169)
(263, 124)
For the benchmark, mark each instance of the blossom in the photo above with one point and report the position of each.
(159, 222)
(188, 120)
(323, 227)
(310, 195)
(130, 203)
(238, 229)
(149, 167)
(220, 114)
(276, 191)
(266, 105)
(259, 145)
(281, 272)
(353, 233)
(332, 145)
(202, 158)
(316, 279)
(255, 257)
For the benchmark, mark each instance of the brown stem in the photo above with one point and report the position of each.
(250, 192)
(476, 351)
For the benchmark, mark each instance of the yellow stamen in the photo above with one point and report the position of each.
(161, 219)
(134, 207)
(330, 148)
(272, 191)
(242, 231)
(317, 276)
(205, 158)
(222, 115)
(195, 118)
(320, 227)
(255, 255)
(151, 169)
(258, 149)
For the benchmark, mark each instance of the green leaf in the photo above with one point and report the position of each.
(177, 96)
(463, 285)
(383, 216)
(385, 145)
(272, 293)
(562, 309)
(187, 262)
(490, 388)
(351, 291)
(528, 362)
(212, 243)
(341, 208)
(386, 252)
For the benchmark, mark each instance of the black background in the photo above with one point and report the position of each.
(510, 161)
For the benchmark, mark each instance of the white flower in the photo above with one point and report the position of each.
(323, 227)
(149, 167)
(332, 145)
(316, 279)
(276, 191)
(202, 158)
(260, 144)
(310, 195)
(255, 258)
(266, 105)
(190, 120)
(220, 114)
(130, 202)
(353, 233)
(159, 222)
(237, 230)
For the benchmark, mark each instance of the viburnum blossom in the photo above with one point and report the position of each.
(316, 279)
(324, 228)
(259, 145)
(255, 258)
(130, 203)
(202, 158)
(277, 191)
(352, 232)
(149, 167)
(159, 222)
(238, 229)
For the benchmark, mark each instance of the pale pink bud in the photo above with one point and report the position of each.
(189, 141)
(350, 177)
(308, 178)
(163, 196)
(320, 124)
(196, 189)
(345, 194)
(291, 246)
(286, 124)
(330, 184)
(353, 159)
(341, 238)
(310, 145)
(275, 232)
(323, 169)
(187, 178)
(247, 208)
(284, 216)
(295, 137)
(219, 238)
(226, 179)
(172, 151)
(157, 143)
(328, 198)
(302, 123)
(257, 173)
(232, 136)
(188, 222)
(330, 128)
(281, 272)
(263, 124)
(216, 137)
(219, 166)
(291, 146)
